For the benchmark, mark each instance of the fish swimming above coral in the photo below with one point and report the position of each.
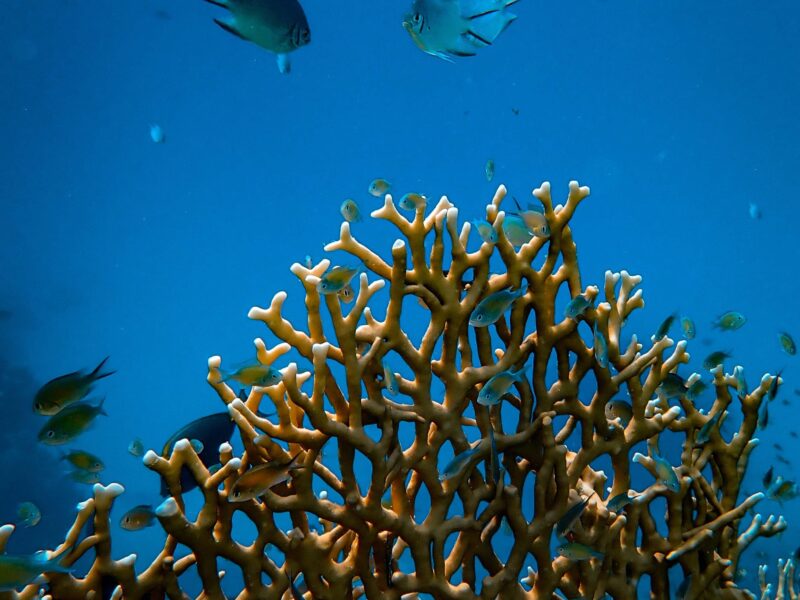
(279, 26)
(453, 28)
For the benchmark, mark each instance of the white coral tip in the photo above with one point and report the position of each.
(398, 244)
(234, 464)
(225, 447)
(235, 405)
(168, 508)
(150, 458)
(127, 561)
(214, 362)
(323, 495)
(182, 444)
(111, 490)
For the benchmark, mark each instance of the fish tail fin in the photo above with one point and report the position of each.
(96, 374)
(520, 375)
(284, 63)
(230, 27)
(100, 408)
(486, 27)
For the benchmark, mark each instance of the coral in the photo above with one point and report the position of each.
(441, 537)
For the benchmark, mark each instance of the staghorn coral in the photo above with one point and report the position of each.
(550, 433)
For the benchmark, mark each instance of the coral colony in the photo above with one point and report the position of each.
(399, 483)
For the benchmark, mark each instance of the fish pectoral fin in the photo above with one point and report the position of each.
(230, 27)
(484, 29)
(284, 64)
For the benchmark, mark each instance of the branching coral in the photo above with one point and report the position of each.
(551, 431)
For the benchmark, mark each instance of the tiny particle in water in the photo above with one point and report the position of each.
(755, 211)
(157, 134)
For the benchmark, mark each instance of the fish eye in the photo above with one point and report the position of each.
(479, 317)
(417, 18)
(51, 433)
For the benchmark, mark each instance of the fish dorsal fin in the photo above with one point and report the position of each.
(230, 27)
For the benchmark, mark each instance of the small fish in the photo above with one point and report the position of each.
(782, 489)
(774, 385)
(334, 280)
(17, 571)
(787, 343)
(619, 409)
(515, 230)
(84, 477)
(70, 423)
(777, 446)
(350, 211)
(754, 210)
(84, 460)
(136, 447)
(618, 502)
(576, 551)
(279, 26)
(157, 134)
(448, 29)
(704, 435)
(730, 321)
(255, 374)
(138, 518)
(665, 326)
(389, 379)
(493, 390)
(346, 294)
(489, 170)
(412, 201)
(379, 187)
(689, 330)
(673, 385)
(515, 111)
(534, 220)
(455, 466)
(784, 460)
(492, 307)
(485, 230)
(308, 262)
(698, 387)
(600, 348)
(741, 382)
(666, 473)
(715, 359)
(28, 514)
(574, 513)
(67, 389)
(256, 481)
(577, 307)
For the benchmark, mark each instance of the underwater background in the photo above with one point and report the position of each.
(679, 115)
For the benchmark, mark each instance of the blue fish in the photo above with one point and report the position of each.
(577, 307)
(515, 230)
(494, 389)
(485, 230)
(455, 466)
(452, 28)
(491, 308)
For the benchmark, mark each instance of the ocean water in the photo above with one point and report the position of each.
(679, 115)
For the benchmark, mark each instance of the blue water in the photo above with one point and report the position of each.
(677, 114)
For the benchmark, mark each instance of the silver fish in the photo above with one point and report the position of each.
(452, 28)
(279, 26)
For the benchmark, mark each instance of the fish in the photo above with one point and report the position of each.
(279, 26)
(138, 518)
(493, 471)
(334, 280)
(28, 514)
(763, 415)
(784, 460)
(673, 385)
(772, 392)
(70, 422)
(704, 435)
(213, 431)
(492, 307)
(485, 230)
(618, 502)
(787, 343)
(379, 187)
(350, 211)
(308, 262)
(346, 294)
(389, 379)
(84, 460)
(664, 328)
(255, 374)
(62, 391)
(665, 473)
(577, 551)
(577, 307)
(136, 447)
(455, 466)
(493, 390)
(448, 29)
(689, 329)
(256, 481)
(412, 201)
(741, 382)
(574, 513)
(777, 446)
(698, 387)
(17, 571)
(534, 219)
(84, 477)
(782, 489)
(754, 210)
(157, 134)
(515, 230)
(600, 348)
(730, 321)
(619, 409)
(715, 359)
(488, 170)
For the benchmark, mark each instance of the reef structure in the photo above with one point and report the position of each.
(439, 536)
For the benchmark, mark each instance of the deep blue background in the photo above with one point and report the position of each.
(677, 114)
